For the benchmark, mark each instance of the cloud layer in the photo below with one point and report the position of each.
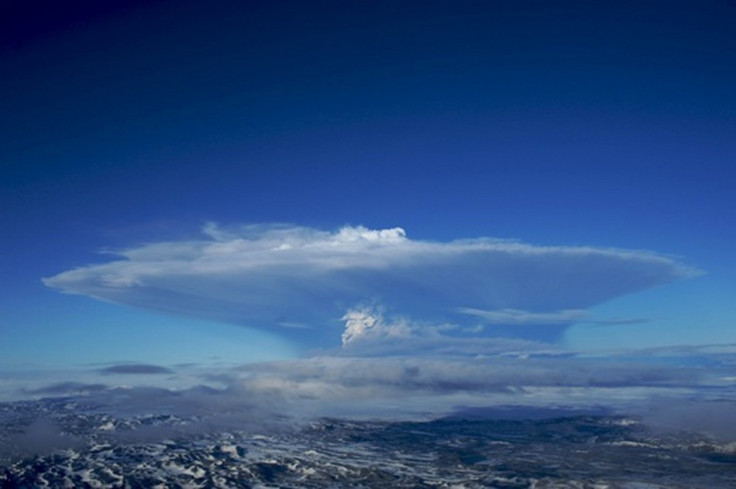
(135, 369)
(411, 386)
(672, 389)
(303, 281)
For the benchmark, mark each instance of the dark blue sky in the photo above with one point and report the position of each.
(557, 123)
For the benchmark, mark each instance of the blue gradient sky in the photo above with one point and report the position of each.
(552, 123)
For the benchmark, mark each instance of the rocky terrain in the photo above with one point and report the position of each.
(64, 443)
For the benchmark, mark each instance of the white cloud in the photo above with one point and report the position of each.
(362, 323)
(276, 277)
(516, 316)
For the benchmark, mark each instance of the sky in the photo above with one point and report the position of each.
(455, 199)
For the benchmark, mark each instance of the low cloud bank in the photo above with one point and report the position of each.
(670, 389)
(136, 369)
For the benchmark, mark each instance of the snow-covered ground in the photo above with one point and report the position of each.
(60, 443)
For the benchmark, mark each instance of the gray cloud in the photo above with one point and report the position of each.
(301, 280)
(136, 369)
(350, 382)
(67, 388)
(319, 377)
(304, 389)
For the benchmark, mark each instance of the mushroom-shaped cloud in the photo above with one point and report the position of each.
(302, 281)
